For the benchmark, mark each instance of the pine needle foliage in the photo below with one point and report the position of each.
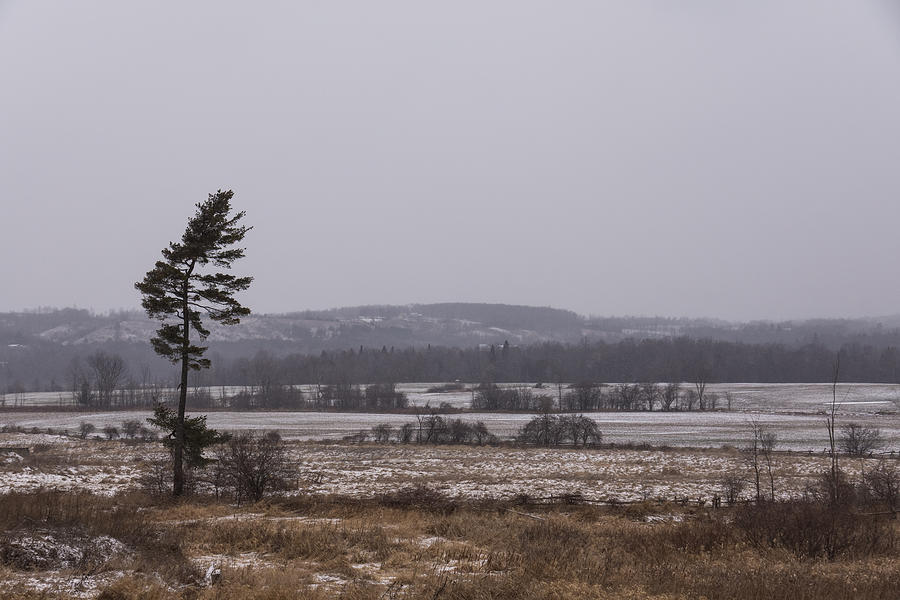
(197, 436)
(176, 287)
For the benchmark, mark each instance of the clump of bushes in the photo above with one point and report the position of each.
(812, 529)
(380, 396)
(429, 429)
(560, 430)
(131, 430)
(543, 430)
(85, 429)
(490, 396)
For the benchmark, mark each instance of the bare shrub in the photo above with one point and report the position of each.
(859, 440)
(883, 483)
(481, 435)
(731, 487)
(155, 478)
(145, 434)
(254, 465)
(111, 432)
(85, 429)
(356, 438)
(814, 529)
(760, 454)
(131, 428)
(381, 433)
(419, 497)
(405, 433)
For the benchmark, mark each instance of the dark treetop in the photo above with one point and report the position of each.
(176, 287)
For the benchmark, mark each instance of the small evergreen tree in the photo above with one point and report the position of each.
(197, 436)
(179, 291)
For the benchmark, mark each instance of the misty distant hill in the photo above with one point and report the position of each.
(445, 324)
(309, 331)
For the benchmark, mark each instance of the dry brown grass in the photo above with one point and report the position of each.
(416, 544)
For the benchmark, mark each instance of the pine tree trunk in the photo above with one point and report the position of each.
(178, 472)
(178, 478)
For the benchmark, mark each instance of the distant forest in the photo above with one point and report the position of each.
(670, 360)
(675, 360)
(54, 350)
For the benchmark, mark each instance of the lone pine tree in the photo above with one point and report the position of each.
(182, 288)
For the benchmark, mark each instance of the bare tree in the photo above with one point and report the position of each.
(109, 371)
(542, 430)
(651, 393)
(753, 452)
(82, 394)
(767, 442)
(405, 433)
(700, 387)
(670, 396)
(481, 433)
(830, 426)
(732, 486)
(265, 379)
(431, 427)
(586, 431)
(626, 396)
(859, 440)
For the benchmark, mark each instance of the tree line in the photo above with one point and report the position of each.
(112, 379)
(680, 359)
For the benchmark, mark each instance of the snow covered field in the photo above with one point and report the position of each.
(794, 411)
(109, 467)
(804, 432)
(774, 397)
(623, 475)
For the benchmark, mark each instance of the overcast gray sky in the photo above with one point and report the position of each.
(729, 159)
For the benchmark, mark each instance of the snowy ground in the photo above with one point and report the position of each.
(705, 429)
(623, 475)
(109, 467)
(794, 412)
(694, 475)
(777, 397)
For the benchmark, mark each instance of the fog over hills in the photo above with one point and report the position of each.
(445, 324)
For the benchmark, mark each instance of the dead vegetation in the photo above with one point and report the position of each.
(564, 537)
(417, 543)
